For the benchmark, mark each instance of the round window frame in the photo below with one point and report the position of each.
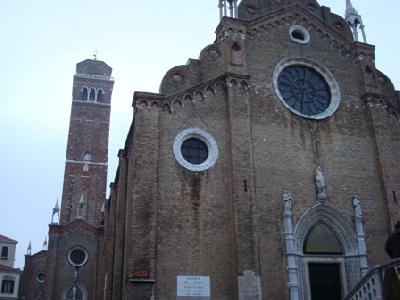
(37, 277)
(204, 137)
(304, 31)
(84, 261)
(323, 71)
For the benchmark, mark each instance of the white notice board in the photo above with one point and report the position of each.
(193, 286)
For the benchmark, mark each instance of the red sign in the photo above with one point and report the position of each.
(140, 274)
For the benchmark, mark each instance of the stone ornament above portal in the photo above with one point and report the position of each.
(195, 149)
(306, 88)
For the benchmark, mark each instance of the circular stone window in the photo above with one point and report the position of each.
(299, 34)
(41, 277)
(195, 149)
(77, 257)
(306, 88)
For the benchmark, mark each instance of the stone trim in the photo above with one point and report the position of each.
(203, 136)
(304, 31)
(95, 77)
(78, 285)
(351, 260)
(334, 220)
(77, 248)
(91, 103)
(151, 101)
(80, 162)
(322, 70)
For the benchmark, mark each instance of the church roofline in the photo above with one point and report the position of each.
(93, 61)
(75, 223)
(37, 254)
(8, 269)
(295, 8)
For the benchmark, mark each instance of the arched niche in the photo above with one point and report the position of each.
(84, 93)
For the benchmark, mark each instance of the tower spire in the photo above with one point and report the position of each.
(56, 211)
(354, 20)
(45, 244)
(29, 250)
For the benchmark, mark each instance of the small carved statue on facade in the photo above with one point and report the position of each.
(320, 183)
(287, 203)
(357, 207)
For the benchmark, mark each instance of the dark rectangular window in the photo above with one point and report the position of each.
(7, 286)
(4, 252)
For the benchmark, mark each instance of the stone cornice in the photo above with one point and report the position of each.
(144, 100)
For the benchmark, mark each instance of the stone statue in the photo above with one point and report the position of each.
(357, 207)
(287, 203)
(320, 183)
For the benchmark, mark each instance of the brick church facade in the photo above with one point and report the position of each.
(71, 265)
(268, 168)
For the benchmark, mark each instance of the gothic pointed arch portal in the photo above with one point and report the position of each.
(342, 258)
(344, 263)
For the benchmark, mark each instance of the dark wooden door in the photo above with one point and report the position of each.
(325, 281)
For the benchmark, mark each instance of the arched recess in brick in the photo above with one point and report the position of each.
(99, 97)
(84, 93)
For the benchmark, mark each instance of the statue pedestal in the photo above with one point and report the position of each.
(322, 198)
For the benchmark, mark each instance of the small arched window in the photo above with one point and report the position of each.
(321, 240)
(84, 93)
(92, 95)
(99, 95)
(236, 53)
(87, 156)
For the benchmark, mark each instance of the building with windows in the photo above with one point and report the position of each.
(70, 266)
(9, 276)
(268, 168)
(265, 169)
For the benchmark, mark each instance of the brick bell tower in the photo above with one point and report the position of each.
(85, 177)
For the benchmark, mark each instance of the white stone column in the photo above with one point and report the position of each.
(221, 12)
(362, 248)
(235, 7)
(294, 286)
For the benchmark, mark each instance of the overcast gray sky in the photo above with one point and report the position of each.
(41, 42)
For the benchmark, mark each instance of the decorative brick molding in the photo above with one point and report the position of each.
(152, 101)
